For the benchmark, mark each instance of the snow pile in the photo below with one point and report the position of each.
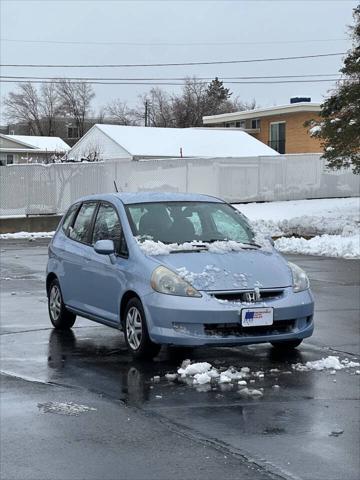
(334, 225)
(26, 235)
(203, 372)
(333, 216)
(188, 369)
(326, 245)
(329, 363)
(205, 377)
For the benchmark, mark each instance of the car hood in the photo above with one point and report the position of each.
(240, 270)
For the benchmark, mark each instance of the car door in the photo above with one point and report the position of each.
(76, 256)
(106, 277)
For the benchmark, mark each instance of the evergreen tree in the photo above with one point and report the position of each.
(217, 91)
(339, 127)
(217, 97)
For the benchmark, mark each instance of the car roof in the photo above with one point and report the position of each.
(147, 197)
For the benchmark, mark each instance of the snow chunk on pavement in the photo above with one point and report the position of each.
(194, 368)
(202, 378)
(329, 363)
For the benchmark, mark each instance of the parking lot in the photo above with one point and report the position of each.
(128, 423)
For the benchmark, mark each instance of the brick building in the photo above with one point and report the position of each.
(280, 127)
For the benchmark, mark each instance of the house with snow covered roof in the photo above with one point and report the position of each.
(30, 149)
(107, 142)
(281, 127)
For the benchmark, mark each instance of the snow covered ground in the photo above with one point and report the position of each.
(26, 235)
(334, 225)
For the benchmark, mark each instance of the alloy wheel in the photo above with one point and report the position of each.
(55, 302)
(134, 328)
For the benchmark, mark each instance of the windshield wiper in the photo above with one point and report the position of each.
(250, 244)
(197, 248)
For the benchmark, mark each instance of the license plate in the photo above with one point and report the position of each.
(257, 317)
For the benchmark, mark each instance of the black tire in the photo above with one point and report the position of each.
(286, 344)
(136, 332)
(60, 317)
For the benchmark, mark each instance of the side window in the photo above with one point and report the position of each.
(69, 217)
(81, 229)
(226, 225)
(107, 227)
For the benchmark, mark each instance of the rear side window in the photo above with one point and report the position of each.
(69, 218)
(82, 226)
(107, 227)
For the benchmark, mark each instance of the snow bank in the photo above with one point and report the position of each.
(326, 245)
(333, 216)
(26, 235)
(333, 223)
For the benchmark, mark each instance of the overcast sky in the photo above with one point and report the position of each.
(177, 31)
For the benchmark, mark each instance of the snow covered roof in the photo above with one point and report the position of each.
(194, 142)
(51, 144)
(263, 112)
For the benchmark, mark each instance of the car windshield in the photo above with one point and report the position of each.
(180, 222)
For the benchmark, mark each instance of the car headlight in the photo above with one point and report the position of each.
(166, 281)
(300, 279)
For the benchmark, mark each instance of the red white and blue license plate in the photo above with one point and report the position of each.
(257, 317)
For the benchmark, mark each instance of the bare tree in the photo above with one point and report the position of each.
(159, 108)
(50, 107)
(121, 114)
(191, 105)
(24, 106)
(76, 100)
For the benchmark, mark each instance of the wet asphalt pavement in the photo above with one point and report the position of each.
(139, 428)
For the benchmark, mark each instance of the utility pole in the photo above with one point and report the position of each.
(146, 113)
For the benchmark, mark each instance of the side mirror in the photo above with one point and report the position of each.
(104, 247)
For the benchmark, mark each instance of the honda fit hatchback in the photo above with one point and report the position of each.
(174, 269)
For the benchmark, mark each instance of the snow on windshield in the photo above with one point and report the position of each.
(151, 247)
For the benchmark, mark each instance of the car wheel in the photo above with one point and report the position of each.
(286, 344)
(60, 317)
(136, 333)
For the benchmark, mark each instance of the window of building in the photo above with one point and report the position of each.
(241, 124)
(72, 132)
(277, 136)
(255, 123)
(9, 159)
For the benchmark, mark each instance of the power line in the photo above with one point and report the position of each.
(170, 83)
(167, 44)
(22, 77)
(131, 65)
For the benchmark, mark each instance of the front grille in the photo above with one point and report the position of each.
(242, 296)
(236, 330)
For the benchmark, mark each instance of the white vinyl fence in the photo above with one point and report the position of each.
(49, 189)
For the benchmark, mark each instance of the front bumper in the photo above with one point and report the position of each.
(206, 321)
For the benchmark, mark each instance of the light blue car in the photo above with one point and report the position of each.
(174, 269)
